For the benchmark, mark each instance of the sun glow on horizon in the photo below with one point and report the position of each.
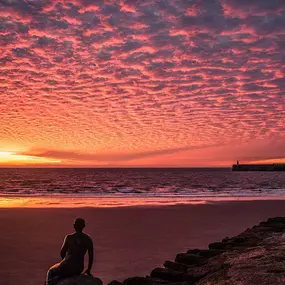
(6, 153)
(10, 157)
(269, 161)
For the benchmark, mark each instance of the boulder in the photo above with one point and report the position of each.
(190, 259)
(136, 281)
(115, 282)
(276, 226)
(276, 220)
(219, 245)
(168, 274)
(226, 239)
(261, 229)
(207, 253)
(176, 266)
(80, 280)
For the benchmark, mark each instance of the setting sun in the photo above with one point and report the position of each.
(5, 153)
(12, 158)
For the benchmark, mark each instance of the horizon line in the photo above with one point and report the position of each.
(113, 167)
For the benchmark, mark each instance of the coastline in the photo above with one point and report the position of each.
(129, 241)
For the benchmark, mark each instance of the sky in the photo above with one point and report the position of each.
(140, 83)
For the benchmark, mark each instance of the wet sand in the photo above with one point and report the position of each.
(129, 241)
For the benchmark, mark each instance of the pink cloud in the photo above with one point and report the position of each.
(136, 77)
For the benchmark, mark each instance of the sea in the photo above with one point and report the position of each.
(136, 186)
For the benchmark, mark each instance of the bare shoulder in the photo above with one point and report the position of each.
(88, 238)
(66, 240)
(69, 237)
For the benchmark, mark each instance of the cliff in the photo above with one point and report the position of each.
(256, 256)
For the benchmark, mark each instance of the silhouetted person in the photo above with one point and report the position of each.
(72, 253)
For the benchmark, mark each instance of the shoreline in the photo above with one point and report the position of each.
(121, 201)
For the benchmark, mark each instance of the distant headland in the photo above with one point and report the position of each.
(258, 167)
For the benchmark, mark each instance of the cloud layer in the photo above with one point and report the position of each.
(146, 76)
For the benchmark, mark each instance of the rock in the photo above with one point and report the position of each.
(115, 282)
(194, 251)
(174, 276)
(176, 266)
(136, 281)
(189, 259)
(80, 280)
(261, 265)
(168, 274)
(277, 227)
(276, 220)
(200, 272)
(277, 224)
(234, 243)
(225, 239)
(261, 229)
(207, 253)
(218, 245)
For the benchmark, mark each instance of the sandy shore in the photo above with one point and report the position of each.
(128, 241)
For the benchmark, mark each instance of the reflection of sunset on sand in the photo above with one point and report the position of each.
(115, 202)
(53, 202)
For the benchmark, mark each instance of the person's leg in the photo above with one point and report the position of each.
(53, 274)
(63, 269)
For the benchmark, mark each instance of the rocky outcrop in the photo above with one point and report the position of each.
(254, 257)
(80, 280)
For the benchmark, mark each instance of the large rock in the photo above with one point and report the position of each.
(223, 245)
(208, 253)
(80, 280)
(136, 281)
(115, 282)
(176, 266)
(168, 274)
(189, 259)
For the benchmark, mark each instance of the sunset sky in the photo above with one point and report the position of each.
(141, 82)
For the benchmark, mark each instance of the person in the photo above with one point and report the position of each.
(72, 253)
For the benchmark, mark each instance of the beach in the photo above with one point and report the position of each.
(128, 241)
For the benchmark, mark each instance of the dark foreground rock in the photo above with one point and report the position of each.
(254, 257)
(81, 280)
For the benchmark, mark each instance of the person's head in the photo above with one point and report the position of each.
(79, 225)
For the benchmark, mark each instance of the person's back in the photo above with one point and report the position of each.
(72, 253)
(77, 245)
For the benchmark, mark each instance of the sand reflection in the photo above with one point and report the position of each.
(109, 202)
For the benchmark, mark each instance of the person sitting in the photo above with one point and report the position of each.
(72, 253)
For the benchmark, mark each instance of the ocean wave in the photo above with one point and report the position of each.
(139, 183)
(136, 194)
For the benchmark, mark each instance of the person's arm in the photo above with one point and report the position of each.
(64, 248)
(90, 257)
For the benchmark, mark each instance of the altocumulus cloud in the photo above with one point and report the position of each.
(140, 76)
